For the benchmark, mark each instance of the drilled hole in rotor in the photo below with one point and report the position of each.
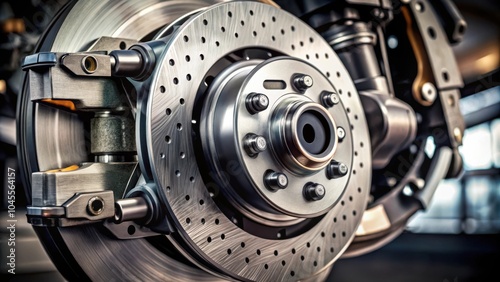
(186, 39)
(202, 221)
(205, 22)
(123, 45)
(162, 89)
(266, 266)
(263, 24)
(273, 19)
(171, 62)
(223, 29)
(446, 76)
(176, 80)
(292, 273)
(254, 33)
(258, 252)
(247, 260)
(302, 258)
(168, 139)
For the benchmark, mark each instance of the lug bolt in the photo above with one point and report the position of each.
(340, 133)
(336, 169)
(254, 144)
(275, 180)
(330, 99)
(314, 191)
(256, 102)
(95, 205)
(302, 82)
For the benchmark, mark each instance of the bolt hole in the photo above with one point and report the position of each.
(446, 76)
(131, 230)
(89, 64)
(431, 32)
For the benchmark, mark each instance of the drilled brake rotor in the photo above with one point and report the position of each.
(179, 86)
(232, 217)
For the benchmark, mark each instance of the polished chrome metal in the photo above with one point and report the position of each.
(275, 180)
(340, 133)
(314, 191)
(302, 82)
(131, 209)
(429, 92)
(330, 99)
(254, 144)
(256, 102)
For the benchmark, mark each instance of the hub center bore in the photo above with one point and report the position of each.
(303, 135)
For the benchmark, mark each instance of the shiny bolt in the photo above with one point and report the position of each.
(256, 102)
(330, 99)
(336, 169)
(95, 205)
(302, 82)
(340, 133)
(429, 92)
(275, 180)
(314, 191)
(254, 144)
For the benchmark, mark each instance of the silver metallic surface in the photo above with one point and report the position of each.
(177, 179)
(79, 206)
(429, 92)
(60, 138)
(54, 188)
(392, 123)
(130, 209)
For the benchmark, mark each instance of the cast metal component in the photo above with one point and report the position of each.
(91, 206)
(392, 124)
(275, 180)
(82, 208)
(254, 144)
(302, 82)
(129, 230)
(85, 64)
(314, 191)
(256, 102)
(49, 82)
(55, 187)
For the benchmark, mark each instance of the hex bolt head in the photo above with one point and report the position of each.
(95, 205)
(256, 102)
(330, 99)
(314, 191)
(336, 169)
(275, 180)
(254, 144)
(340, 133)
(302, 82)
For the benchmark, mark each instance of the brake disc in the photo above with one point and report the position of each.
(250, 128)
